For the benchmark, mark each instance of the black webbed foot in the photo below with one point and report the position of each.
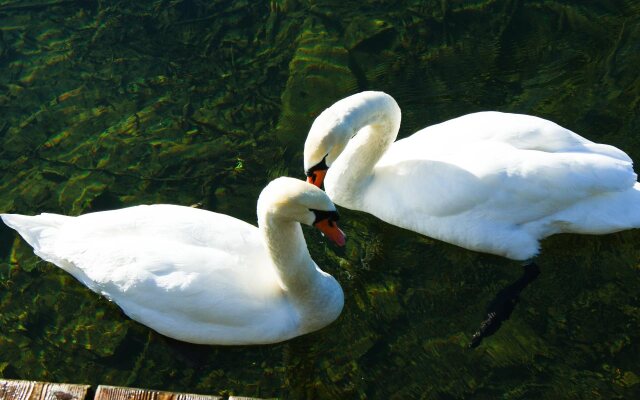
(501, 307)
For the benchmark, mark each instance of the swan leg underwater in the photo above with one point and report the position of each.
(489, 181)
(199, 276)
(500, 308)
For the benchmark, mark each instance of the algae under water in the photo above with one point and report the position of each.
(112, 104)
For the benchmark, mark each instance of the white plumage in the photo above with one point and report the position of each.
(195, 275)
(489, 181)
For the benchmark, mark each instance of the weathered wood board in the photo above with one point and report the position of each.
(123, 393)
(31, 390)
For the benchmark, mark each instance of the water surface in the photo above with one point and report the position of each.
(111, 104)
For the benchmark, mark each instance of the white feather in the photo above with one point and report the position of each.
(191, 274)
(490, 181)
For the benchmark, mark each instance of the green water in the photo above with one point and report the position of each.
(111, 104)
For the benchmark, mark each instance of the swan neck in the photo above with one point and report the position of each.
(285, 244)
(374, 127)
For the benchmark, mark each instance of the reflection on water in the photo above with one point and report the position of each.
(105, 106)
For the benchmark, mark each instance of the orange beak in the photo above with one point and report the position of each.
(331, 231)
(317, 177)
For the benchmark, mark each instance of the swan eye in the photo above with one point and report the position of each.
(330, 216)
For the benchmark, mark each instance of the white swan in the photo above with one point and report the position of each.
(199, 276)
(489, 181)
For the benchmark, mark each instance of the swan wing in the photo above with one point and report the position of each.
(190, 274)
(515, 158)
(496, 198)
(525, 132)
(180, 224)
(456, 178)
(181, 289)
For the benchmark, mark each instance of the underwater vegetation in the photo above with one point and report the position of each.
(112, 104)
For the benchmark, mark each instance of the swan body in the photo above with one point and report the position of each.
(200, 276)
(489, 181)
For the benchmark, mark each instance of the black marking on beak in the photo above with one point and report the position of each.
(321, 215)
(321, 166)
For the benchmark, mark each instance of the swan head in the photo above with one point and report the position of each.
(295, 200)
(332, 130)
(325, 142)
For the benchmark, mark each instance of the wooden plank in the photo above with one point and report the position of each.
(122, 393)
(242, 398)
(32, 390)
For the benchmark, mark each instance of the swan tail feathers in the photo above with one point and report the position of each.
(634, 206)
(608, 213)
(36, 230)
(624, 209)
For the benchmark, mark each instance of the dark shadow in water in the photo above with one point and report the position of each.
(6, 240)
